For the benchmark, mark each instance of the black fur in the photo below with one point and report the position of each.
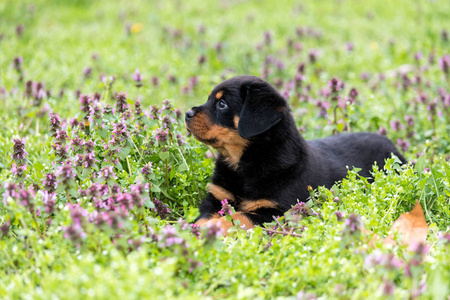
(277, 164)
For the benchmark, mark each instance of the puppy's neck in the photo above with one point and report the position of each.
(232, 150)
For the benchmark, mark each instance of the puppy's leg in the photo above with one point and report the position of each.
(210, 206)
(249, 214)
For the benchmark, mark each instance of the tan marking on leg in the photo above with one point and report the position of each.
(219, 95)
(203, 221)
(253, 205)
(219, 192)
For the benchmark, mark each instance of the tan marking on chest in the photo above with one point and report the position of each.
(229, 143)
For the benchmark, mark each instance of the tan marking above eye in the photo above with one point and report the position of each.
(253, 205)
(220, 193)
(219, 95)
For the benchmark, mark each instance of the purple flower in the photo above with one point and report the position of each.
(19, 152)
(420, 249)
(169, 237)
(167, 105)
(108, 110)
(89, 160)
(137, 77)
(339, 216)
(138, 110)
(409, 120)
(444, 237)
(89, 146)
(95, 112)
(444, 64)
(313, 54)
(180, 139)
(4, 228)
(50, 182)
(402, 144)
(201, 59)
(444, 35)
(87, 72)
(324, 106)
(352, 225)
(61, 151)
(120, 130)
(49, 200)
(382, 131)
(19, 30)
(107, 173)
(155, 80)
(388, 288)
(395, 125)
(55, 123)
(85, 100)
(336, 85)
(18, 170)
(138, 192)
(65, 174)
(226, 209)
(18, 64)
(61, 136)
(212, 231)
(302, 295)
(25, 198)
(75, 233)
(147, 170)
(161, 135)
(267, 38)
(10, 191)
(377, 258)
(349, 47)
(121, 104)
(161, 209)
(352, 95)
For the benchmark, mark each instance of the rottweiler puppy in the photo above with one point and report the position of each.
(264, 165)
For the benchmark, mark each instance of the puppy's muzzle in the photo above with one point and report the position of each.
(189, 115)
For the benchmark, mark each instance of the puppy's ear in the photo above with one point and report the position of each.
(263, 108)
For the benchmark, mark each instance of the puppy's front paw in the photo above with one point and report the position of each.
(238, 218)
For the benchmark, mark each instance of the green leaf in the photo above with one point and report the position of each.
(124, 152)
(164, 155)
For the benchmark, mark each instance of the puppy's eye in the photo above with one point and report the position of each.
(221, 104)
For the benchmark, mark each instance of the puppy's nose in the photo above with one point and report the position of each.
(190, 114)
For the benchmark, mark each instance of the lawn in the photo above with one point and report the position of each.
(100, 181)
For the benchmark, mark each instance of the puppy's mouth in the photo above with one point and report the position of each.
(200, 133)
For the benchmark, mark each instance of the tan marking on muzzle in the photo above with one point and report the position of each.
(226, 140)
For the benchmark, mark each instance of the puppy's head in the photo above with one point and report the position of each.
(237, 110)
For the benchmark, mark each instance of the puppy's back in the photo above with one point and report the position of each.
(360, 150)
